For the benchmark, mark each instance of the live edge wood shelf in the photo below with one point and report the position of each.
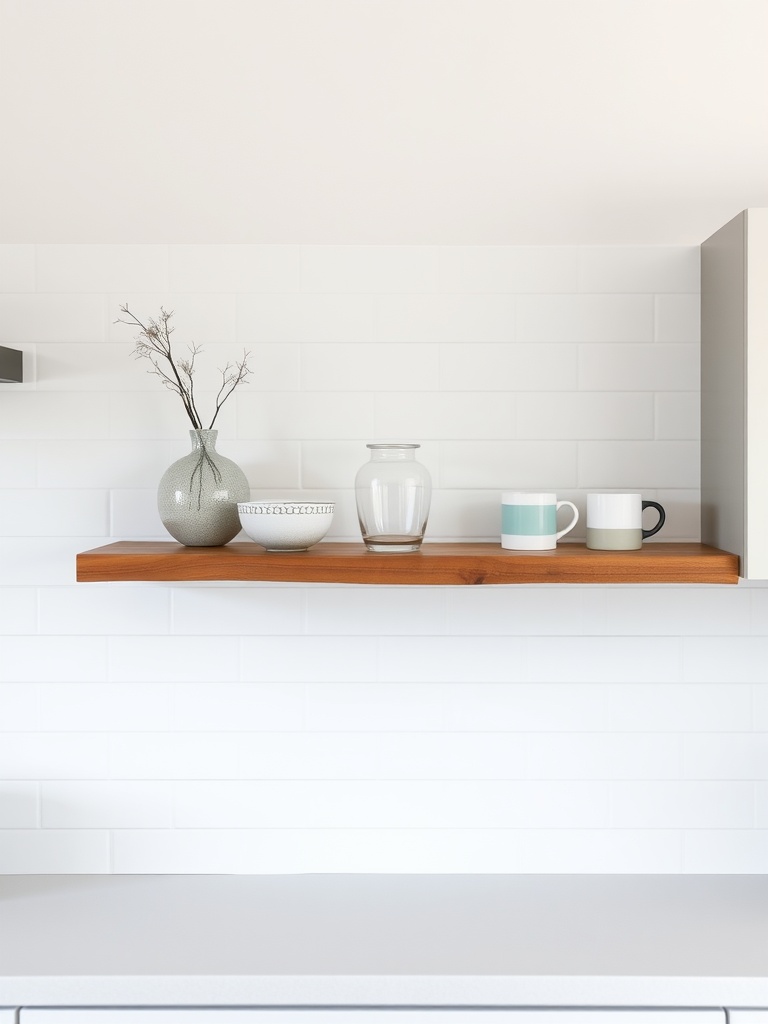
(434, 565)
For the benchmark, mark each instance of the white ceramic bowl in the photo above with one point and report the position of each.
(286, 525)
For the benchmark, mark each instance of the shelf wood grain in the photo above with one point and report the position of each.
(460, 564)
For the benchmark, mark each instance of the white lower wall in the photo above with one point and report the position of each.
(250, 728)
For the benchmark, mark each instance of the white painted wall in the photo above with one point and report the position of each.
(287, 728)
(525, 122)
(255, 728)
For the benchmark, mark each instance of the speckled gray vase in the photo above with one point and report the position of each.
(198, 495)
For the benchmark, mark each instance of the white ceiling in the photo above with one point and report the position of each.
(381, 121)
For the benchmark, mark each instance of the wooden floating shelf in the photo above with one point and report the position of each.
(457, 564)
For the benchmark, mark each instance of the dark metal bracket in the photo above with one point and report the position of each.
(10, 366)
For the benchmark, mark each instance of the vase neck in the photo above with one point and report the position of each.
(203, 439)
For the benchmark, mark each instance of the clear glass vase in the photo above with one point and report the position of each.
(393, 492)
(197, 496)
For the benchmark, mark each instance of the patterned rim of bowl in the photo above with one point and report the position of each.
(291, 508)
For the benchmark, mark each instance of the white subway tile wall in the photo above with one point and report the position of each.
(280, 728)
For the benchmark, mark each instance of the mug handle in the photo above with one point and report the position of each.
(573, 522)
(662, 517)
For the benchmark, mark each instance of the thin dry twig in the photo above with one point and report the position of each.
(153, 342)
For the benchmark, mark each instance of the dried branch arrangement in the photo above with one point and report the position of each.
(154, 343)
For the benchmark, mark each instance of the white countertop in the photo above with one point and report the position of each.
(406, 940)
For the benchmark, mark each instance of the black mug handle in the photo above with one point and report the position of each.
(662, 517)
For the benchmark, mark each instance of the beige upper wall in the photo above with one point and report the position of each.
(378, 121)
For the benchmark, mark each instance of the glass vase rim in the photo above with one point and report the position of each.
(392, 444)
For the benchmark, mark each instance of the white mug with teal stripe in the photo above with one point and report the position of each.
(529, 520)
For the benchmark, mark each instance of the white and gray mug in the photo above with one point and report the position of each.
(615, 521)
(529, 520)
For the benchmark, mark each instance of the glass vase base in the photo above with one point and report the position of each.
(392, 544)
